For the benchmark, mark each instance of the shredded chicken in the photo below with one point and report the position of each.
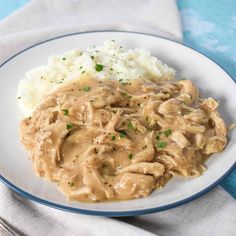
(106, 140)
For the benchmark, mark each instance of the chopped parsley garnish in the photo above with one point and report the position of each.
(66, 112)
(92, 57)
(160, 133)
(167, 132)
(130, 125)
(157, 137)
(71, 184)
(161, 144)
(69, 125)
(150, 129)
(80, 67)
(122, 135)
(113, 138)
(123, 94)
(83, 72)
(86, 88)
(130, 156)
(19, 98)
(63, 58)
(99, 67)
(111, 69)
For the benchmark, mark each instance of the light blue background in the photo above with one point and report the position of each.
(208, 26)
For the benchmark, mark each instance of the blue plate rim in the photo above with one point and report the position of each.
(113, 213)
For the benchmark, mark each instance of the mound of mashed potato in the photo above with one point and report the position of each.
(101, 62)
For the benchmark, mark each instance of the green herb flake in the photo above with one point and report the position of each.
(167, 132)
(69, 125)
(92, 57)
(130, 125)
(113, 138)
(86, 88)
(99, 67)
(63, 58)
(122, 135)
(161, 144)
(19, 98)
(130, 156)
(65, 112)
(124, 94)
(144, 147)
(157, 137)
(83, 72)
(71, 184)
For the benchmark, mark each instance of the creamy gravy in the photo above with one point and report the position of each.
(109, 140)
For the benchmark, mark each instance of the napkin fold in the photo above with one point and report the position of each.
(32, 219)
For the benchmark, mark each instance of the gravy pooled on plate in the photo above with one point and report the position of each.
(106, 140)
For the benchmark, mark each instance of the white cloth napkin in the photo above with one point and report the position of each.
(213, 214)
(44, 19)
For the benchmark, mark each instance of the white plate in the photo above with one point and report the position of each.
(15, 168)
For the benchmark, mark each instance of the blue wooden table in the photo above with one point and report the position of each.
(208, 26)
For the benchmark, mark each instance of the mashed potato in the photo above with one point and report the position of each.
(107, 61)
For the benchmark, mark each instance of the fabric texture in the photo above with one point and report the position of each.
(43, 19)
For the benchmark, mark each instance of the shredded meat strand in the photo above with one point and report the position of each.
(121, 140)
